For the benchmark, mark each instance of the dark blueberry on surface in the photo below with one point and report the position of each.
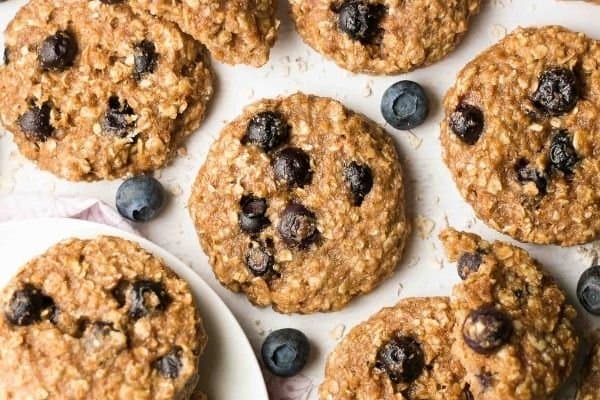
(292, 167)
(404, 105)
(252, 217)
(285, 352)
(527, 173)
(35, 123)
(467, 123)
(119, 118)
(169, 365)
(468, 263)
(146, 298)
(28, 306)
(402, 358)
(57, 52)
(140, 198)
(260, 260)
(557, 92)
(563, 156)
(119, 292)
(360, 20)
(145, 59)
(267, 130)
(360, 181)
(486, 329)
(298, 225)
(588, 290)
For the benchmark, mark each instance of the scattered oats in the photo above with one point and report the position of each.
(368, 89)
(182, 151)
(424, 226)
(176, 189)
(413, 261)
(337, 332)
(301, 64)
(414, 141)
(498, 31)
(400, 288)
(439, 262)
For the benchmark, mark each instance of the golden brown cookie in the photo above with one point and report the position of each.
(300, 204)
(92, 91)
(514, 330)
(98, 319)
(521, 136)
(383, 36)
(590, 386)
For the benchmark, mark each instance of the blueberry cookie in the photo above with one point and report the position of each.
(514, 330)
(98, 319)
(300, 204)
(383, 36)
(521, 136)
(590, 386)
(92, 91)
(402, 352)
(234, 31)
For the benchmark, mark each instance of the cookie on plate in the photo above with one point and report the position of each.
(383, 36)
(300, 204)
(590, 386)
(234, 31)
(521, 136)
(91, 90)
(514, 330)
(402, 352)
(99, 319)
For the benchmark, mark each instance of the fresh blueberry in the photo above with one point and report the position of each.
(563, 156)
(28, 306)
(35, 123)
(402, 358)
(298, 226)
(291, 166)
(169, 365)
(527, 173)
(267, 130)
(145, 59)
(57, 52)
(467, 122)
(147, 297)
(252, 217)
(468, 263)
(285, 352)
(588, 290)
(557, 92)
(404, 105)
(140, 198)
(260, 259)
(360, 19)
(486, 329)
(360, 181)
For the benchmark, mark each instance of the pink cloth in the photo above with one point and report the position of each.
(15, 207)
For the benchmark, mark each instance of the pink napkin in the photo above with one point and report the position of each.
(16, 207)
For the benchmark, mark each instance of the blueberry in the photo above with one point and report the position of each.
(260, 260)
(404, 105)
(486, 329)
(527, 173)
(557, 92)
(169, 365)
(119, 118)
(147, 297)
(285, 352)
(468, 263)
(360, 20)
(467, 123)
(145, 59)
(563, 156)
(252, 217)
(140, 198)
(588, 290)
(298, 226)
(28, 306)
(57, 52)
(35, 123)
(402, 358)
(291, 166)
(360, 181)
(267, 130)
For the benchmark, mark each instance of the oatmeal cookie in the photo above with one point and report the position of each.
(402, 352)
(98, 319)
(92, 91)
(521, 136)
(383, 36)
(590, 386)
(234, 31)
(514, 330)
(300, 204)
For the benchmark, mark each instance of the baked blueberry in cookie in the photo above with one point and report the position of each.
(35, 122)
(557, 92)
(401, 358)
(28, 306)
(57, 52)
(267, 130)
(360, 19)
(486, 329)
(145, 59)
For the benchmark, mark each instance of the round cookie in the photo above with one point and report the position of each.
(514, 330)
(521, 136)
(591, 380)
(383, 36)
(235, 32)
(300, 204)
(416, 334)
(100, 319)
(92, 91)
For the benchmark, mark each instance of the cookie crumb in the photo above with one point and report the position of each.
(424, 226)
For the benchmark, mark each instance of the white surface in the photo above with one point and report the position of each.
(431, 192)
(229, 357)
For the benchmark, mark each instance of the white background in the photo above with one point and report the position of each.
(432, 196)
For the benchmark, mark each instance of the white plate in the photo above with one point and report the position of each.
(230, 366)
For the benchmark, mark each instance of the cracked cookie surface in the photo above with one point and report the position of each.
(514, 331)
(98, 319)
(521, 136)
(300, 204)
(383, 37)
(93, 91)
